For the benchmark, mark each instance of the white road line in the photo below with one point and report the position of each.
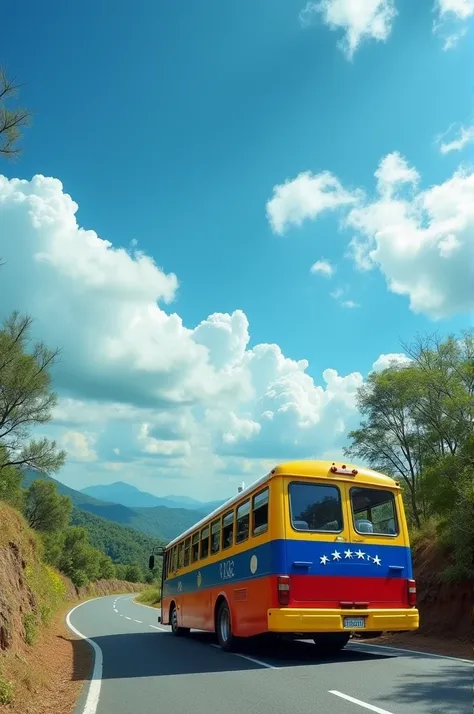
(155, 627)
(93, 694)
(413, 652)
(127, 618)
(370, 707)
(143, 605)
(250, 659)
(139, 622)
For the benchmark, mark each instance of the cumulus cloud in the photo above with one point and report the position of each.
(463, 137)
(422, 240)
(79, 446)
(359, 20)
(306, 197)
(422, 243)
(451, 22)
(141, 393)
(389, 360)
(323, 267)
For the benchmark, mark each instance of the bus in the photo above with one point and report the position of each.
(312, 550)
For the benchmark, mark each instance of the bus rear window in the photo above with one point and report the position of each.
(374, 511)
(315, 507)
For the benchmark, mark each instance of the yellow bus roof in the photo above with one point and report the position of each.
(319, 469)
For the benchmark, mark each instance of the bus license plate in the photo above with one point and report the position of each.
(353, 623)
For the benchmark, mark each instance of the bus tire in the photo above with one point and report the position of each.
(175, 629)
(226, 639)
(331, 642)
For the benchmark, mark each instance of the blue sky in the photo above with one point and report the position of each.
(171, 124)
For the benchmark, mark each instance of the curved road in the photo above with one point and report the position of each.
(146, 670)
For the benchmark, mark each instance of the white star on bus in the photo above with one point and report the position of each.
(324, 559)
(377, 560)
(336, 555)
(348, 554)
(360, 554)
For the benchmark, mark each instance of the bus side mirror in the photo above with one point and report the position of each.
(151, 562)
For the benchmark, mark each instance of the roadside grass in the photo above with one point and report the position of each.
(150, 596)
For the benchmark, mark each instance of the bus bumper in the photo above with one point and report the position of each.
(296, 620)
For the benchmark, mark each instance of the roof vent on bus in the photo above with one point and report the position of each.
(343, 470)
(241, 487)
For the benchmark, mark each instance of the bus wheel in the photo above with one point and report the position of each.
(175, 629)
(331, 642)
(224, 629)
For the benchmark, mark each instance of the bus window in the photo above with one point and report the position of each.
(215, 536)
(180, 555)
(315, 507)
(260, 513)
(374, 511)
(205, 542)
(195, 548)
(174, 559)
(228, 530)
(243, 520)
(187, 550)
(165, 564)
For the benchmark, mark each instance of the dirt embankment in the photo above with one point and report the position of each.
(31, 596)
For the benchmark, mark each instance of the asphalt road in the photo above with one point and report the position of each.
(145, 670)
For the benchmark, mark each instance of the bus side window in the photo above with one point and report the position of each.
(195, 548)
(215, 536)
(204, 542)
(180, 555)
(260, 513)
(174, 559)
(243, 519)
(228, 530)
(187, 551)
(165, 564)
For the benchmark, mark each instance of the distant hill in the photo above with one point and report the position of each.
(131, 496)
(158, 522)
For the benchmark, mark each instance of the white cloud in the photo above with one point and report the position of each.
(360, 20)
(464, 137)
(323, 267)
(192, 409)
(79, 446)
(451, 21)
(339, 295)
(306, 197)
(423, 244)
(388, 360)
(421, 240)
(351, 304)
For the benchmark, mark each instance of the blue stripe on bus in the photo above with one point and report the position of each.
(281, 557)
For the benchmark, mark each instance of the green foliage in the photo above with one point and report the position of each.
(31, 627)
(10, 482)
(134, 574)
(45, 510)
(6, 691)
(26, 399)
(418, 427)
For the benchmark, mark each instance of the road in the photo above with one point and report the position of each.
(146, 670)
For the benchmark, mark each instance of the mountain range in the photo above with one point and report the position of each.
(131, 496)
(158, 521)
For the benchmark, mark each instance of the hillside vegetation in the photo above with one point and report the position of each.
(159, 522)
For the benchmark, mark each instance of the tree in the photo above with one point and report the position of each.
(26, 399)
(133, 574)
(106, 568)
(389, 438)
(10, 483)
(45, 509)
(12, 121)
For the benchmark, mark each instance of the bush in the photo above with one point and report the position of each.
(150, 596)
(6, 691)
(30, 625)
